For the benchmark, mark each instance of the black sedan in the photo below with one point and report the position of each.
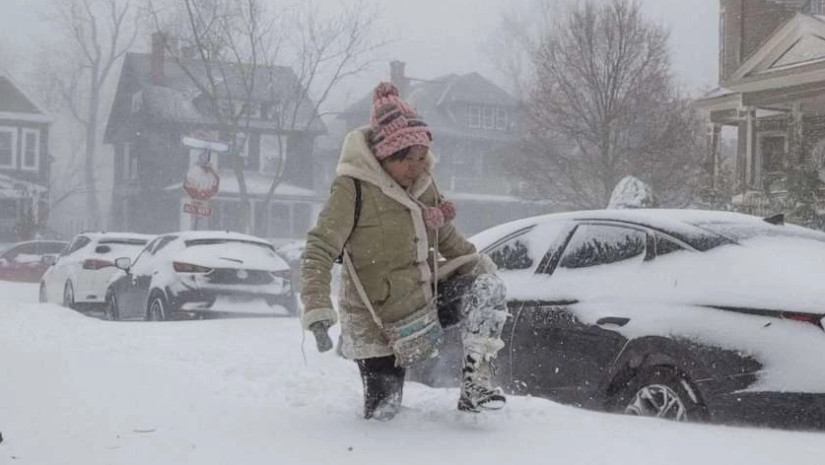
(680, 314)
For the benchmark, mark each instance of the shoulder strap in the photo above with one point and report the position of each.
(357, 215)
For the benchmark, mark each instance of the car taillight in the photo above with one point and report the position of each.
(811, 318)
(96, 264)
(183, 267)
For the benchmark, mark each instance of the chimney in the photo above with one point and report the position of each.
(158, 52)
(398, 78)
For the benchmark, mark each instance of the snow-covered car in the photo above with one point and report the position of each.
(79, 276)
(201, 274)
(682, 314)
(24, 261)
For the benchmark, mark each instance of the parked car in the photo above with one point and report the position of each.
(24, 261)
(80, 274)
(687, 315)
(201, 274)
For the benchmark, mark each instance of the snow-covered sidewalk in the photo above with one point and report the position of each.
(78, 390)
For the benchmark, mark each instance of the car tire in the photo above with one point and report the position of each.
(157, 309)
(68, 296)
(111, 312)
(662, 392)
(41, 294)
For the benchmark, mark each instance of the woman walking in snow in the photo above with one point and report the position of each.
(385, 215)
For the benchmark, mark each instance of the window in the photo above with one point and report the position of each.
(31, 149)
(512, 254)
(8, 147)
(273, 147)
(489, 118)
(8, 209)
(137, 101)
(501, 119)
(772, 150)
(279, 220)
(129, 163)
(474, 116)
(594, 245)
(301, 221)
(77, 244)
(665, 246)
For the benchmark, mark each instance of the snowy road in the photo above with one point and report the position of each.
(76, 390)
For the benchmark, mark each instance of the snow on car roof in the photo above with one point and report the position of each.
(118, 235)
(673, 220)
(194, 235)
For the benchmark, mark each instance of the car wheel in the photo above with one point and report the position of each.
(42, 294)
(68, 296)
(661, 392)
(157, 309)
(111, 311)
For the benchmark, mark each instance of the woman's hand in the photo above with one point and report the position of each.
(322, 340)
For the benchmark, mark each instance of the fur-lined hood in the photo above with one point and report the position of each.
(357, 161)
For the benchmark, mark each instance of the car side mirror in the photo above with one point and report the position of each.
(48, 260)
(124, 263)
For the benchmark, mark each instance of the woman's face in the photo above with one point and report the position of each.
(406, 171)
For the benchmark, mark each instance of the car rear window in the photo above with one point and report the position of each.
(196, 242)
(739, 232)
(122, 241)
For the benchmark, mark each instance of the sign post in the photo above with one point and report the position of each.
(202, 181)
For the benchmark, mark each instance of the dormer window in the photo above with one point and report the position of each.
(474, 116)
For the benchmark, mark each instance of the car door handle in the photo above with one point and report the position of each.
(613, 320)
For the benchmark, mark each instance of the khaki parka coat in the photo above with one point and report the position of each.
(389, 247)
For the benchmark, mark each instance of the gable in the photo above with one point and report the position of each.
(801, 40)
(806, 49)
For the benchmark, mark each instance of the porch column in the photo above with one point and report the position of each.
(750, 148)
(712, 161)
(796, 149)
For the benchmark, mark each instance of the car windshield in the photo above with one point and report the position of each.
(739, 232)
(215, 241)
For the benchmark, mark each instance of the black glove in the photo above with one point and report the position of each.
(322, 340)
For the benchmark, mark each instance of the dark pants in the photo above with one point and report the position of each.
(383, 381)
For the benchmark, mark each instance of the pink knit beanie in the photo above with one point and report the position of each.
(395, 124)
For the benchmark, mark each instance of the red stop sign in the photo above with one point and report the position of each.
(201, 182)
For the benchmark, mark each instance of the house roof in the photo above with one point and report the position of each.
(177, 98)
(16, 105)
(797, 48)
(431, 99)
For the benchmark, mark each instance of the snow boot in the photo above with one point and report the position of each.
(477, 393)
(383, 387)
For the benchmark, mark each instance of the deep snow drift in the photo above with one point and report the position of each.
(76, 390)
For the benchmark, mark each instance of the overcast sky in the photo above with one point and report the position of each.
(436, 37)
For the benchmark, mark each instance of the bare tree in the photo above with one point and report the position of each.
(230, 50)
(98, 33)
(603, 105)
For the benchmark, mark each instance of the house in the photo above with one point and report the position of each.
(24, 162)
(772, 92)
(157, 104)
(474, 124)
